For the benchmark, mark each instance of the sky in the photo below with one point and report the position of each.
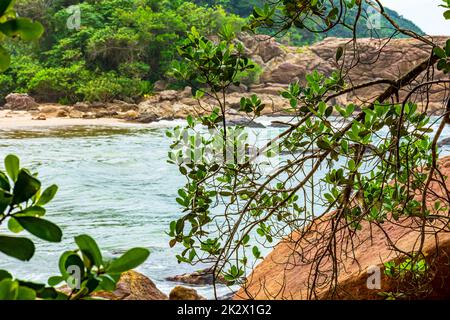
(424, 13)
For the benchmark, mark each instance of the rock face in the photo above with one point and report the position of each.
(285, 272)
(134, 286)
(19, 101)
(183, 293)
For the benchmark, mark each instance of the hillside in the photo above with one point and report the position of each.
(301, 37)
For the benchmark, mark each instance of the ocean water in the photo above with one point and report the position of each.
(115, 185)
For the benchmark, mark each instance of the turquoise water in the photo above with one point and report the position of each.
(114, 184)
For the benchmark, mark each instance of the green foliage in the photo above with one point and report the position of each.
(12, 26)
(262, 19)
(120, 49)
(22, 202)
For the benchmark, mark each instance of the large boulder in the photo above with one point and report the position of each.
(20, 101)
(131, 286)
(287, 272)
(135, 286)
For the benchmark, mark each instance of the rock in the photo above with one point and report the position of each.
(124, 106)
(131, 286)
(19, 101)
(146, 118)
(89, 115)
(186, 93)
(245, 122)
(160, 85)
(444, 142)
(130, 114)
(287, 271)
(49, 109)
(183, 293)
(168, 95)
(73, 113)
(201, 277)
(40, 116)
(62, 114)
(81, 106)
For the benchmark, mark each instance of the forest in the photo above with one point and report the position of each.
(122, 47)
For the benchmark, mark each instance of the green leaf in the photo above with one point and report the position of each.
(339, 53)
(90, 249)
(4, 182)
(14, 226)
(9, 289)
(5, 59)
(26, 187)
(129, 260)
(12, 164)
(25, 293)
(19, 248)
(5, 275)
(67, 259)
(41, 228)
(47, 195)
(4, 6)
(23, 27)
(54, 281)
(438, 51)
(34, 211)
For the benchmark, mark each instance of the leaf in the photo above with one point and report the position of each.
(68, 259)
(129, 260)
(26, 187)
(9, 289)
(5, 275)
(5, 59)
(41, 228)
(4, 6)
(47, 195)
(90, 249)
(4, 182)
(438, 51)
(339, 53)
(19, 248)
(447, 14)
(12, 164)
(25, 293)
(54, 281)
(23, 27)
(14, 226)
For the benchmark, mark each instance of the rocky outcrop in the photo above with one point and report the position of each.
(201, 277)
(19, 101)
(131, 286)
(286, 273)
(183, 293)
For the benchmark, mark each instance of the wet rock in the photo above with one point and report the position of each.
(444, 142)
(183, 293)
(201, 277)
(244, 122)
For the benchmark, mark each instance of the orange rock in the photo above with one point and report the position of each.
(287, 272)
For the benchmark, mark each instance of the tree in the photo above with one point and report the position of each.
(232, 207)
